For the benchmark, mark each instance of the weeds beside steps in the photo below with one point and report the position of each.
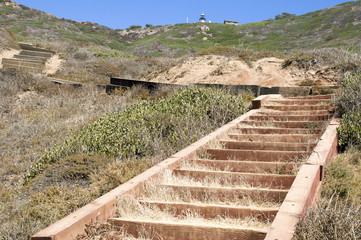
(229, 185)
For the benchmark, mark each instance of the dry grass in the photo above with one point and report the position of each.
(130, 208)
(93, 64)
(97, 231)
(332, 219)
(35, 115)
(163, 193)
(169, 178)
(7, 40)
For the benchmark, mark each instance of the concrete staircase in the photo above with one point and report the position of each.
(30, 58)
(232, 190)
(232, 184)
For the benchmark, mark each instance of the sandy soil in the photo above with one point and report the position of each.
(52, 65)
(224, 70)
(7, 54)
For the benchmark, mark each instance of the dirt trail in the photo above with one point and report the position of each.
(225, 70)
(52, 65)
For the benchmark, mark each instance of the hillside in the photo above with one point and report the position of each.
(332, 27)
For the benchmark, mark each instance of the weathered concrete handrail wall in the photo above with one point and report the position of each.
(306, 188)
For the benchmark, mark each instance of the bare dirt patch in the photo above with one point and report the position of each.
(52, 65)
(227, 70)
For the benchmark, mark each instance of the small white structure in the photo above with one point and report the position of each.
(230, 22)
(202, 18)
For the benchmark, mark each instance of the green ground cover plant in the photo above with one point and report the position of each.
(133, 131)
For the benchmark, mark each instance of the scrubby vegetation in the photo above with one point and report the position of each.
(154, 127)
(36, 115)
(349, 106)
(338, 215)
(338, 26)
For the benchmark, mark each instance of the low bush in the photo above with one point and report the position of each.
(157, 127)
(343, 177)
(348, 105)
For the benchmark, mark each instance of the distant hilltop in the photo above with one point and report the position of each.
(337, 26)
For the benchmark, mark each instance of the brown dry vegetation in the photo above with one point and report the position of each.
(86, 63)
(35, 115)
(7, 40)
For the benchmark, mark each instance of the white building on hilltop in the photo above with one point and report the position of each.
(202, 18)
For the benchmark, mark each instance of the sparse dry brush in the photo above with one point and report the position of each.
(34, 115)
(39, 115)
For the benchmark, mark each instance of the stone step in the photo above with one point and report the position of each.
(43, 59)
(286, 124)
(249, 166)
(273, 130)
(272, 181)
(275, 117)
(276, 146)
(294, 138)
(209, 211)
(257, 155)
(28, 46)
(35, 53)
(298, 107)
(178, 231)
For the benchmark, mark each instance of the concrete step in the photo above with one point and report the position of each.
(275, 117)
(294, 138)
(228, 194)
(35, 53)
(272, 181)
(43, 59)
(275, 146)
(324, 97)
(292, 113)
(298, 107)
(273, 130)
(296, 101)
(257, 155)
(209, 211)
(286, 124)
(178, 231)
(249, 166)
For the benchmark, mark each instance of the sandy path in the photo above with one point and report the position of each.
(52, 65)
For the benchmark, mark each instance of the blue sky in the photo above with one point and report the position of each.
(123, 13)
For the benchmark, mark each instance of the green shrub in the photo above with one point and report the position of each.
(109, 53)
(349, 131)
(350, 97)
(144, 129)
(349, 106)
(132, 27)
